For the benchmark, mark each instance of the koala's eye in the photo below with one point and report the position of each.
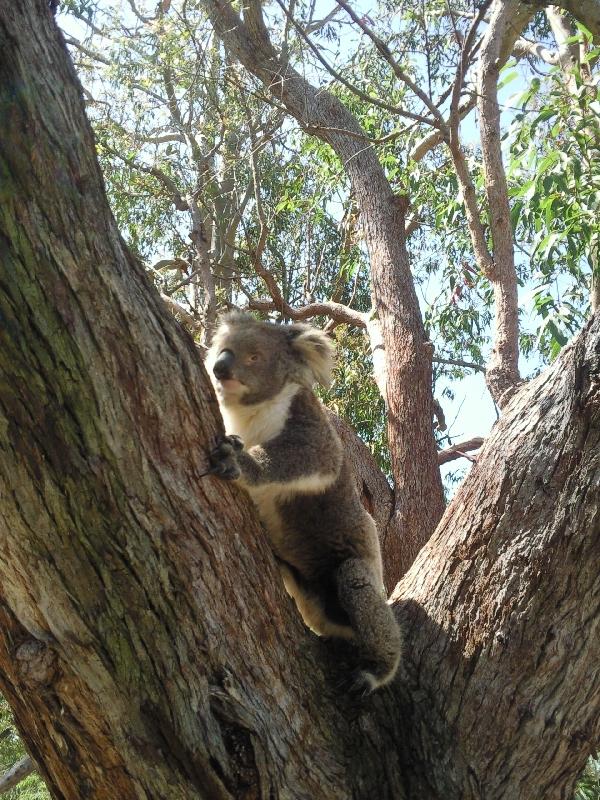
(253, 358)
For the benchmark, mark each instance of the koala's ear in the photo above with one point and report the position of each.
(315, 350)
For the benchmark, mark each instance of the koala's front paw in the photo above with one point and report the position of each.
(234, 441)
(223, 459)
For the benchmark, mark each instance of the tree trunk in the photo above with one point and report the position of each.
(144, 629)
(146, 645)
(503, 603)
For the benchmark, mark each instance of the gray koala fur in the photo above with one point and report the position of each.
(282, 449)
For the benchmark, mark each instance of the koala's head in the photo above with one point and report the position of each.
(251, 361)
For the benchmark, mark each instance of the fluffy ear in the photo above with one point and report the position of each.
(315, 351)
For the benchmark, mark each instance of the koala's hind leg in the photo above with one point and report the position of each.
(376, 631)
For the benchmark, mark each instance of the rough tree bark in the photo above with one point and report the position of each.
(113, 549)
(146, 645)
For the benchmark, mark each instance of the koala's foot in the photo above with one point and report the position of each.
(367, 681)
(359, 684)
(223, 460)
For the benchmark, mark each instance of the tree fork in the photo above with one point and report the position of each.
(146, 645)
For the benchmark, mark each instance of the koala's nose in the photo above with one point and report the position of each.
(223, 364)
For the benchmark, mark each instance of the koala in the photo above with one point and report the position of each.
(283, 450)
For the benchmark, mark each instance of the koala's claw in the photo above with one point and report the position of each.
(234, 441)
(223, 458)
(360, 684)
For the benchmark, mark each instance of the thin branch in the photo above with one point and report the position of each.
(350, 86)
(185, 282)
(432, 140)
(476, 229)
(139, 14)
(87, 21)
(462, 67)
(477, 232)
(336, 311)
(320, 23)
(396, 68)
(257, 255)
(162, 139)
(457, 362)
(202, 245)
(178, 200)
(460, 450)
(86, 50)
(17, 773)
(502, 375)
(170, 263)
(185, 316)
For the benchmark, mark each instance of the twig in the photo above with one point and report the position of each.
(397, 69)
(457, 362)
(350, 86)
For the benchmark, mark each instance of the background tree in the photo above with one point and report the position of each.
(103, 501)
(166, 92)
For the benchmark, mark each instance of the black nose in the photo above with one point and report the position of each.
(223, 365)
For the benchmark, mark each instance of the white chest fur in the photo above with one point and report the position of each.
(258, 423)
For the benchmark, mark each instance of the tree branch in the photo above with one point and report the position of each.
(335, 311)
(534, 619)
(350, 86)
(568, 52)
(179, 311)
(587, 12)
(169, 184)
(427, 143)
(503, 371)
(459, 450)
(198, 235)
(402, 76)
(17, 773)
(457, 362)
(86, 50)
(522, 47)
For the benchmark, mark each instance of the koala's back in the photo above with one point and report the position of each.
(315, 531)
(319, 531)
